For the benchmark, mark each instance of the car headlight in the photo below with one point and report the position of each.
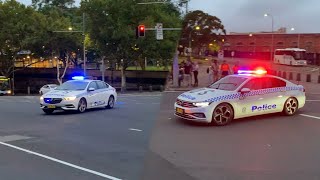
(70, 98)
(41, 98)
(201, 104)
(9, 92)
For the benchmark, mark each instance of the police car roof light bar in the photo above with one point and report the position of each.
(258, 72)
(78, 78)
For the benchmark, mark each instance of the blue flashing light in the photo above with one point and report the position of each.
(78, 78)
(257, 72)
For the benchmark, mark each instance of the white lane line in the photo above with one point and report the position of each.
(61, 162)
(132, 129)
(313, 100)
(306, 115)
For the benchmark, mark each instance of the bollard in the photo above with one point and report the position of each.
(284, 75)
(308, 78)
(28, 90)
(140, 88)
(150, 88)
(298, 77)
(319, 79)
(161, 88)
(279, 73)
(290, 76)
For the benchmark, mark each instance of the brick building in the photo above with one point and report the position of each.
(259, 44)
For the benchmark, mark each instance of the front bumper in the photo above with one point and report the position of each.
(63, 105)
(199, 114)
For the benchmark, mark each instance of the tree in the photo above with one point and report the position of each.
(18, 26)
(211, 29)
(112, 26)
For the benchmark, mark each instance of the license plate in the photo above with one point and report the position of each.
(180, 111)
(51, 106)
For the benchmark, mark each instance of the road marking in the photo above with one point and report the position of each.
(306, 115)
(132, 129)
(13, 138)
(313, 100)
(60, 161)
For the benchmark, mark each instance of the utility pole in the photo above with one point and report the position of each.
(84, 46)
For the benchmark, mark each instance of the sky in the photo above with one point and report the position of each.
(248, 15)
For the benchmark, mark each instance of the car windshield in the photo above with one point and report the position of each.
(73, 86)
(229, 83)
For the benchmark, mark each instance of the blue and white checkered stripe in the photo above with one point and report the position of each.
(254, 93)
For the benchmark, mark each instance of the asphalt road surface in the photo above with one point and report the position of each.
(258, 148)
(98, 144)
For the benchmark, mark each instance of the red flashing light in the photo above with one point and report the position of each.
(141, 31)
(258, 71)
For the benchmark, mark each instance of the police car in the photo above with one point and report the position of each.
(248, 93)
(79, 94)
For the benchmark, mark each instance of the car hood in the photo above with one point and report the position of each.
(203, 94)
(61, 93)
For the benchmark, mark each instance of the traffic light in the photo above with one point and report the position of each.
(141, 31)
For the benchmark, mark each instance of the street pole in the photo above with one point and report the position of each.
(84, 46)
(190, 50)
(299, 40)
(13, 77)
(103, 69)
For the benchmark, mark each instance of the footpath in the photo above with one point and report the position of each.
(309, 76)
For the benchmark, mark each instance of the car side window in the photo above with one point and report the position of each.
(266, 83)
(101, 85)
(93, 85)
(253, 84)
(46, 86)
(278, 83)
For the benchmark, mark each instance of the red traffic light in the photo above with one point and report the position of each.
(141, 31)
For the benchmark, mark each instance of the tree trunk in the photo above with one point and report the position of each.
(123, 80)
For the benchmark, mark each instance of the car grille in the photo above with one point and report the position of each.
(185, 104)
(52, 100)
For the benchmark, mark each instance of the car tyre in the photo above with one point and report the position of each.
(48, 111)
(222, 115)
(110, 102)
(82, 106)
(290, 106)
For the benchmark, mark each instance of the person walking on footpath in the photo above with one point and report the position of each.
(187, 72)
(235, 68)
(195, 69)
(215, 69)
(225, 69)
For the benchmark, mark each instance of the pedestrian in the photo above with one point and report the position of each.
(181, 74)
(195, 69)
(235, 68)
(215, 69)
(187, 72)
(225, 69)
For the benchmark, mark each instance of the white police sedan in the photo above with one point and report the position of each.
(248, 93)
(79, 95)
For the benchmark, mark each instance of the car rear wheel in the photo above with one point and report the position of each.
(48, 111)
(110, 103)
(82, 107)
(222, 115)
(290, 106)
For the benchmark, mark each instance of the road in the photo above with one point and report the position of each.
(264, 147)
(99, 144)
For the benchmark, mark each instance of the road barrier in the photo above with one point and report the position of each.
(298, 76)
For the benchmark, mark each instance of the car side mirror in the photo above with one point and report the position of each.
(245, 90)
(91, 89)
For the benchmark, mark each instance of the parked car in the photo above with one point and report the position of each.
(46, 88)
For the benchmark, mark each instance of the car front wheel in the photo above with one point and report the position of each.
(82, 107)
(290, 106)
(222, 115)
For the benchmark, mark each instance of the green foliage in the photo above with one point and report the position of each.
(112, 27)
(211, 28)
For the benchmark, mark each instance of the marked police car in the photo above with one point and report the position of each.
(248, 93)
(79, 94)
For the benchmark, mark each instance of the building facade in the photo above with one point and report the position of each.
(262, 42)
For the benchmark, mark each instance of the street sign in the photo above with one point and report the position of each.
(159, 31)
